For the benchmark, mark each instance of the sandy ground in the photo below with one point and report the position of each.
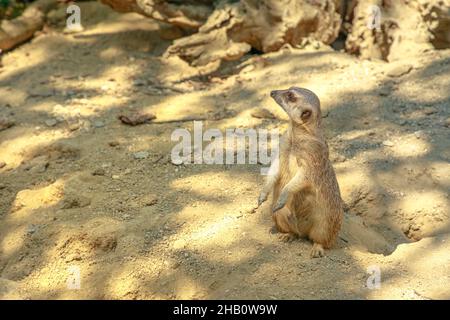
(81, 191)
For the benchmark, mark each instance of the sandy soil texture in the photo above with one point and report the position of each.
(79, 189)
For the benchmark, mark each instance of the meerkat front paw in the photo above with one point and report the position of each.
(317, 251)
(262, 198)
(281, 202)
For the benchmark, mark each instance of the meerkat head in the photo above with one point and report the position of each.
(301, 105)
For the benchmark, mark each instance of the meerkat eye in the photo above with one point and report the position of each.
(306, 114)
(291, 96)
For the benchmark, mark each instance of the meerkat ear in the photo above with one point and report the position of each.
(306, 115)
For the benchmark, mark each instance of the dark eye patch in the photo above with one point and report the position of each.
(291, 96)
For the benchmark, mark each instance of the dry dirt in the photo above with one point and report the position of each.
(74, 194)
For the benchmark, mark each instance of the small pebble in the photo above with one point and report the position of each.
(388, 143)
(31, 229)
(99, 172)
(51, 122)
(74, 126)
(99, 124)
(429, 111)
(419, 134)
(141, 155)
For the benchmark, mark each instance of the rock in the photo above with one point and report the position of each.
(139, 82)
(399, 71)
(6, 123)
(338, 158)
(420, 134)
(262, 113)
(179, 244)
(31, 229)
(99, 172)
(113, 143)
(115, 176)
(51, 122)
(141, 155)
(137, 118)
(2, 164)
(429, 110)
(388, 143)
(149, 200)
(40, 168)
(37, 164)
(385, 91)
(99, 124)
(74, 126)
(266, 28)
(251, 210)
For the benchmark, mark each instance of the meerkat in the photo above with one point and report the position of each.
(306, 200)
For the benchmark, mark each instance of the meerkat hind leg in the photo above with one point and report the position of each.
(317, 250)
(317, 234)
(286, 222)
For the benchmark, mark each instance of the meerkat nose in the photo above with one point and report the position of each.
(273, 93)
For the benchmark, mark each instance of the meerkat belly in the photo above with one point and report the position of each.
(300, 203)
(288, 168)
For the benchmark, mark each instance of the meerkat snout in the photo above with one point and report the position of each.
(301, 105)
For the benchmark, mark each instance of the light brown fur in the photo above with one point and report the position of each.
(306, 200)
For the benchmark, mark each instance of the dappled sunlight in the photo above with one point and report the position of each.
(15, 150)
(187, 288)
(410, 146)
(12, 241)
(190, 105)
(129, 21)
(427, 260)
(12, 96)
(29, 200)
(420, 201)
(441, 172)
(122, 283)
(214, 233)
(350, 179)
